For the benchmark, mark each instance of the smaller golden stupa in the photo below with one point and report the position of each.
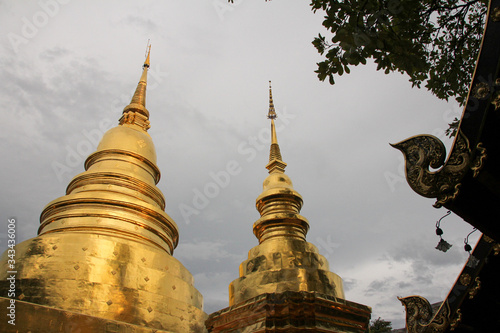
(285, 285)
(102, 260)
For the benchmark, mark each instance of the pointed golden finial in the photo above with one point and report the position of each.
(275, 163)
(272, 111)
(136, 112)
(140, 94)
(148, 51)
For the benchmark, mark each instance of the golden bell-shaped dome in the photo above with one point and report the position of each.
(130, 138)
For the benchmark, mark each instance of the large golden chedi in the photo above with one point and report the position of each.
(102, 260)
(285, 285)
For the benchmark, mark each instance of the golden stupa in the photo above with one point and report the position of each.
(102, 260)
(285, 285)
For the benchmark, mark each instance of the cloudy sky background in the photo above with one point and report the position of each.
(69, 67)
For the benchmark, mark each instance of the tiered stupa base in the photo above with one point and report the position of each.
(40, 319)
(291, 311)
(110, 279)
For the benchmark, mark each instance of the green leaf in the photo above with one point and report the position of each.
(433, 42)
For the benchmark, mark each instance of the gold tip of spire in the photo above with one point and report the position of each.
(272, 112)
(148, 51)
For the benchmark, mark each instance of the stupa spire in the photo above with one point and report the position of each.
(278, 196)
(275, 160)
(136, 113)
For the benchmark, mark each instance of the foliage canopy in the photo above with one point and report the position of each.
(380, 326)
(435, 42)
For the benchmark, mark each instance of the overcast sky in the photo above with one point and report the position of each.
(68, 68)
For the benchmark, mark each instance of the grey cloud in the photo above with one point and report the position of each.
(424, 250)
(349, 284)
(50, 55)
(379, 286)
(206, 250)
(141, 22)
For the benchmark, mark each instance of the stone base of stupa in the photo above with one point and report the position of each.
(35, 318)
(291, 312)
